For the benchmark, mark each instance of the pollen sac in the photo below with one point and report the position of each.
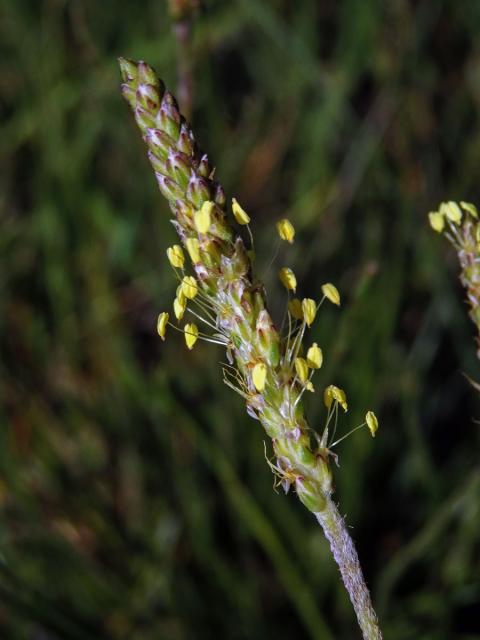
(175, 256)
(470, 208)
(372, 422)
(189, 287)
(191, 335)
(335, 394)
(179, 306)
(309, 309)
(295, 308)
(162, 324)
(301, 367)
(330, 291)
(286, 230)
(203, 218)
(437, 221)
(240, 215)
(314, 356)
(288, 279)
(192, 245)
(259, 376)
(452, 211)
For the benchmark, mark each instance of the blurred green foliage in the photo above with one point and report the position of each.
(135, 499)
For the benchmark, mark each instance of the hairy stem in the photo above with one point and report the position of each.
(346, 557)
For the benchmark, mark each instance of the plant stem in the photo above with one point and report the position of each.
(346, 557)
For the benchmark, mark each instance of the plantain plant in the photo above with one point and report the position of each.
(461, 226)
(270, 369)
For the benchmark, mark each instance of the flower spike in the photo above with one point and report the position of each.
(266, 367)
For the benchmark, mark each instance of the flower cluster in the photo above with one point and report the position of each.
(461, 225)
(268, 367)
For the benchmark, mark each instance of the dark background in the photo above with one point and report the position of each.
(135, 498)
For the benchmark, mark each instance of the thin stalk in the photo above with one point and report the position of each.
(346, 557)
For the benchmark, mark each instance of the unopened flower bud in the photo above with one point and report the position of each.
(198, 190)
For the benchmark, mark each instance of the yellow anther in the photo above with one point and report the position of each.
(301, 367)
(193, 248)
(287, 278)
(162, 324)
(175, 256)
(180, 295)
(286, 230)
(437, 221)
(330, 291)
(203, 218)
(191, 334)
(259, 376)
(189, 287)
(470, 208)
(314, 356)
(309, 309)
(295, 308)
(332, 393)
(452, 211)
(372, 422)
(309, 387)
(179, 306)
(241, 216)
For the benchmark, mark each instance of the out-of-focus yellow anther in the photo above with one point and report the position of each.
(301, 367)
(287, 278)
(286, 230)
(330, 291)
(162, 324)
(241, 216)
(295, 308)
(437, 221)
(372, 422)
